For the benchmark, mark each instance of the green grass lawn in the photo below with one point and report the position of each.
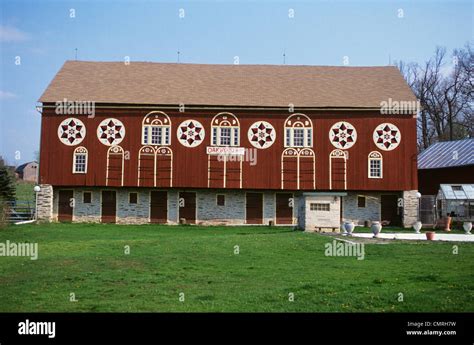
(24, 191)
(164, 261)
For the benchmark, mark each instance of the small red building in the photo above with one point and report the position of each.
(238, 144)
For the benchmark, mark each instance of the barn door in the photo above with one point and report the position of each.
(159, 207)
(65, 205)
(284, 209)
(187, 206)
(389, 209)
(254, 208)
(109, 203)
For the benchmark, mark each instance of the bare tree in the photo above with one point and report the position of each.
(445, 92)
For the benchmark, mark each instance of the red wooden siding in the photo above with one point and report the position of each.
(191, 167)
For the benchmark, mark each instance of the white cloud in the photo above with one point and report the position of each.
(11, 34)
(6, 95)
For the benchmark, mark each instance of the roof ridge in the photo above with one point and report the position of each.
(224, 64)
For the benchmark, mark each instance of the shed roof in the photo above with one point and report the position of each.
(228, 85)
(458, 191)
(447, 154)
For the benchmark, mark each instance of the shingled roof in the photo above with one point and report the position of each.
(227, 85)
(447, 154)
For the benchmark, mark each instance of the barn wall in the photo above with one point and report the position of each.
(430, 179)
(371, 211)
(190, 165)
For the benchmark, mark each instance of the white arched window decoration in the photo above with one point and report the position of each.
(338, 154)
(298, 131)
(155, 154)
(225, 130)
(79, 161)
(298, 154)
(375, 165)
(156, 129)
(115, 152)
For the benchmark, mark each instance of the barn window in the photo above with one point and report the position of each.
(220, 200)
(87, 197)
(225, 130)
(80, 160)
(375, 165)
(133, 198)
(156, 129)
(298, 131)
(361, 201)
(319, 207)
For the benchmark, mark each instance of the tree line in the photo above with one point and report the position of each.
(444, 87)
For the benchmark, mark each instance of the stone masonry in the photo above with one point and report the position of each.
(44, 206)
(410, 208)
(353, 213)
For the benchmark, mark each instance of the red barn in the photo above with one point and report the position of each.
(238, 144)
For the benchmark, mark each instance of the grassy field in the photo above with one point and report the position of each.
(164, 261)
(24, 191)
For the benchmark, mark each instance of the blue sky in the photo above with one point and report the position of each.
(43, 35)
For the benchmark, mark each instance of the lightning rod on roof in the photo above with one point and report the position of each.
(178, 56)
(75, 53)
(284, 56)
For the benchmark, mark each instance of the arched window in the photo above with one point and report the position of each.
(79, 161)
(298, 131)
(156, 129)
(375, 165)
(225, 130)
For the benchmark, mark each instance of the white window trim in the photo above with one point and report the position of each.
(305, 129)
(375, 156)
(232, 136)
(163, 121)
(81, 150)
(148, 129)
(232, 127)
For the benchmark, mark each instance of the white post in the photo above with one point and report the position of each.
(37, 189)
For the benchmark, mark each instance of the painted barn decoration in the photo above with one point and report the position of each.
(227, 144)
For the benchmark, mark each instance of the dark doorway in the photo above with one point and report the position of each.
(187, 206)
(109, 205)
(390, 211)
(284, 212)
(65, 203)
(159, 207)
(254, 208)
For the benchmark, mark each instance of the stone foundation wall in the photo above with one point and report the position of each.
(351, 212)
(86, 212)
(233, 212)
(207, 210)
(410, 208)
(45, 203)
